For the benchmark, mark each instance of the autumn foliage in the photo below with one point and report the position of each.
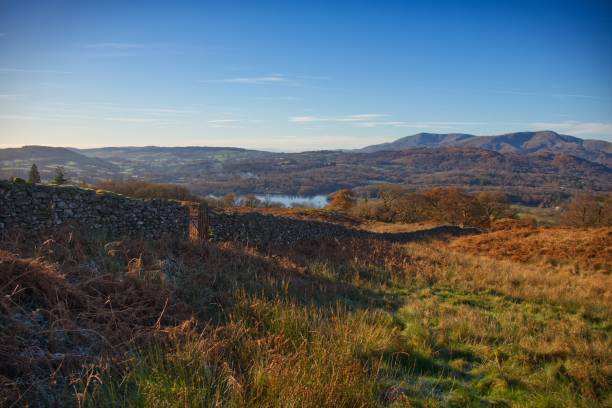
(444, 205)
(589, 210)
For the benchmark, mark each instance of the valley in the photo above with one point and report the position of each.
(218, 171)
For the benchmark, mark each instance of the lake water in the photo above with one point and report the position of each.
(317, 201)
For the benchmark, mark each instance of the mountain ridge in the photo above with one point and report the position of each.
(528, 142)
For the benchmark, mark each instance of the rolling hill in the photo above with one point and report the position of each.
(17, 162)
(529, 161)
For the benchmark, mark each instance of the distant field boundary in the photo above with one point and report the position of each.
(33, 208)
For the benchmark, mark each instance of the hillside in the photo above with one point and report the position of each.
(571, 248)
(309, 173)
(520, 142)
(17, 162)
(339, 322)
(217, 171)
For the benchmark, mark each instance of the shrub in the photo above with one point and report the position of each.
(60, 176)
(343, 201)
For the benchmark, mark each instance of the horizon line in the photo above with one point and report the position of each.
(267, 149)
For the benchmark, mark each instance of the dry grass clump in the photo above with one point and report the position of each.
(579, 248)
(269, 354)
(59, 316)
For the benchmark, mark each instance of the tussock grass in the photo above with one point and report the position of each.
(341, 323)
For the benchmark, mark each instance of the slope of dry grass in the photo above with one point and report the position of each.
(339, 323)
(579, 249)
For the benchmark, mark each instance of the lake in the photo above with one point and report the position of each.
(317, 201)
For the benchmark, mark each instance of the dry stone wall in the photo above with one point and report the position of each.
(258, 229)
(263, 229)
(37, 208)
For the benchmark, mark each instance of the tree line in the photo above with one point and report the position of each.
(448, 205)
(396, 204)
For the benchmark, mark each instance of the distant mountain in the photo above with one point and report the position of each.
(520, 142)
(420, 140)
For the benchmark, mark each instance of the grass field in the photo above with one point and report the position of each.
(340, 323)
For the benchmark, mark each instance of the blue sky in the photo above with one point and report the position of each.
(300, 75)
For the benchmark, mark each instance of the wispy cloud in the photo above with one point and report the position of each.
(370, 120)
(4, 70)
(576, 128)
(146, 115)
(314, 77)
(29, 117)
(347, 118)
(278, 98)
(106, 112)
(362, 116)
(454, 123)
(269, 79)
(549, 95)
(115, 46)
(272, 79)
(8, 96)
(165, 111)
(155, 112)
(416, 125)
(155, 115)
(141, 120)
(392, 124)
(575, 96)
(225, 123)
(2, 34)
(124, 49)
(306, 119)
